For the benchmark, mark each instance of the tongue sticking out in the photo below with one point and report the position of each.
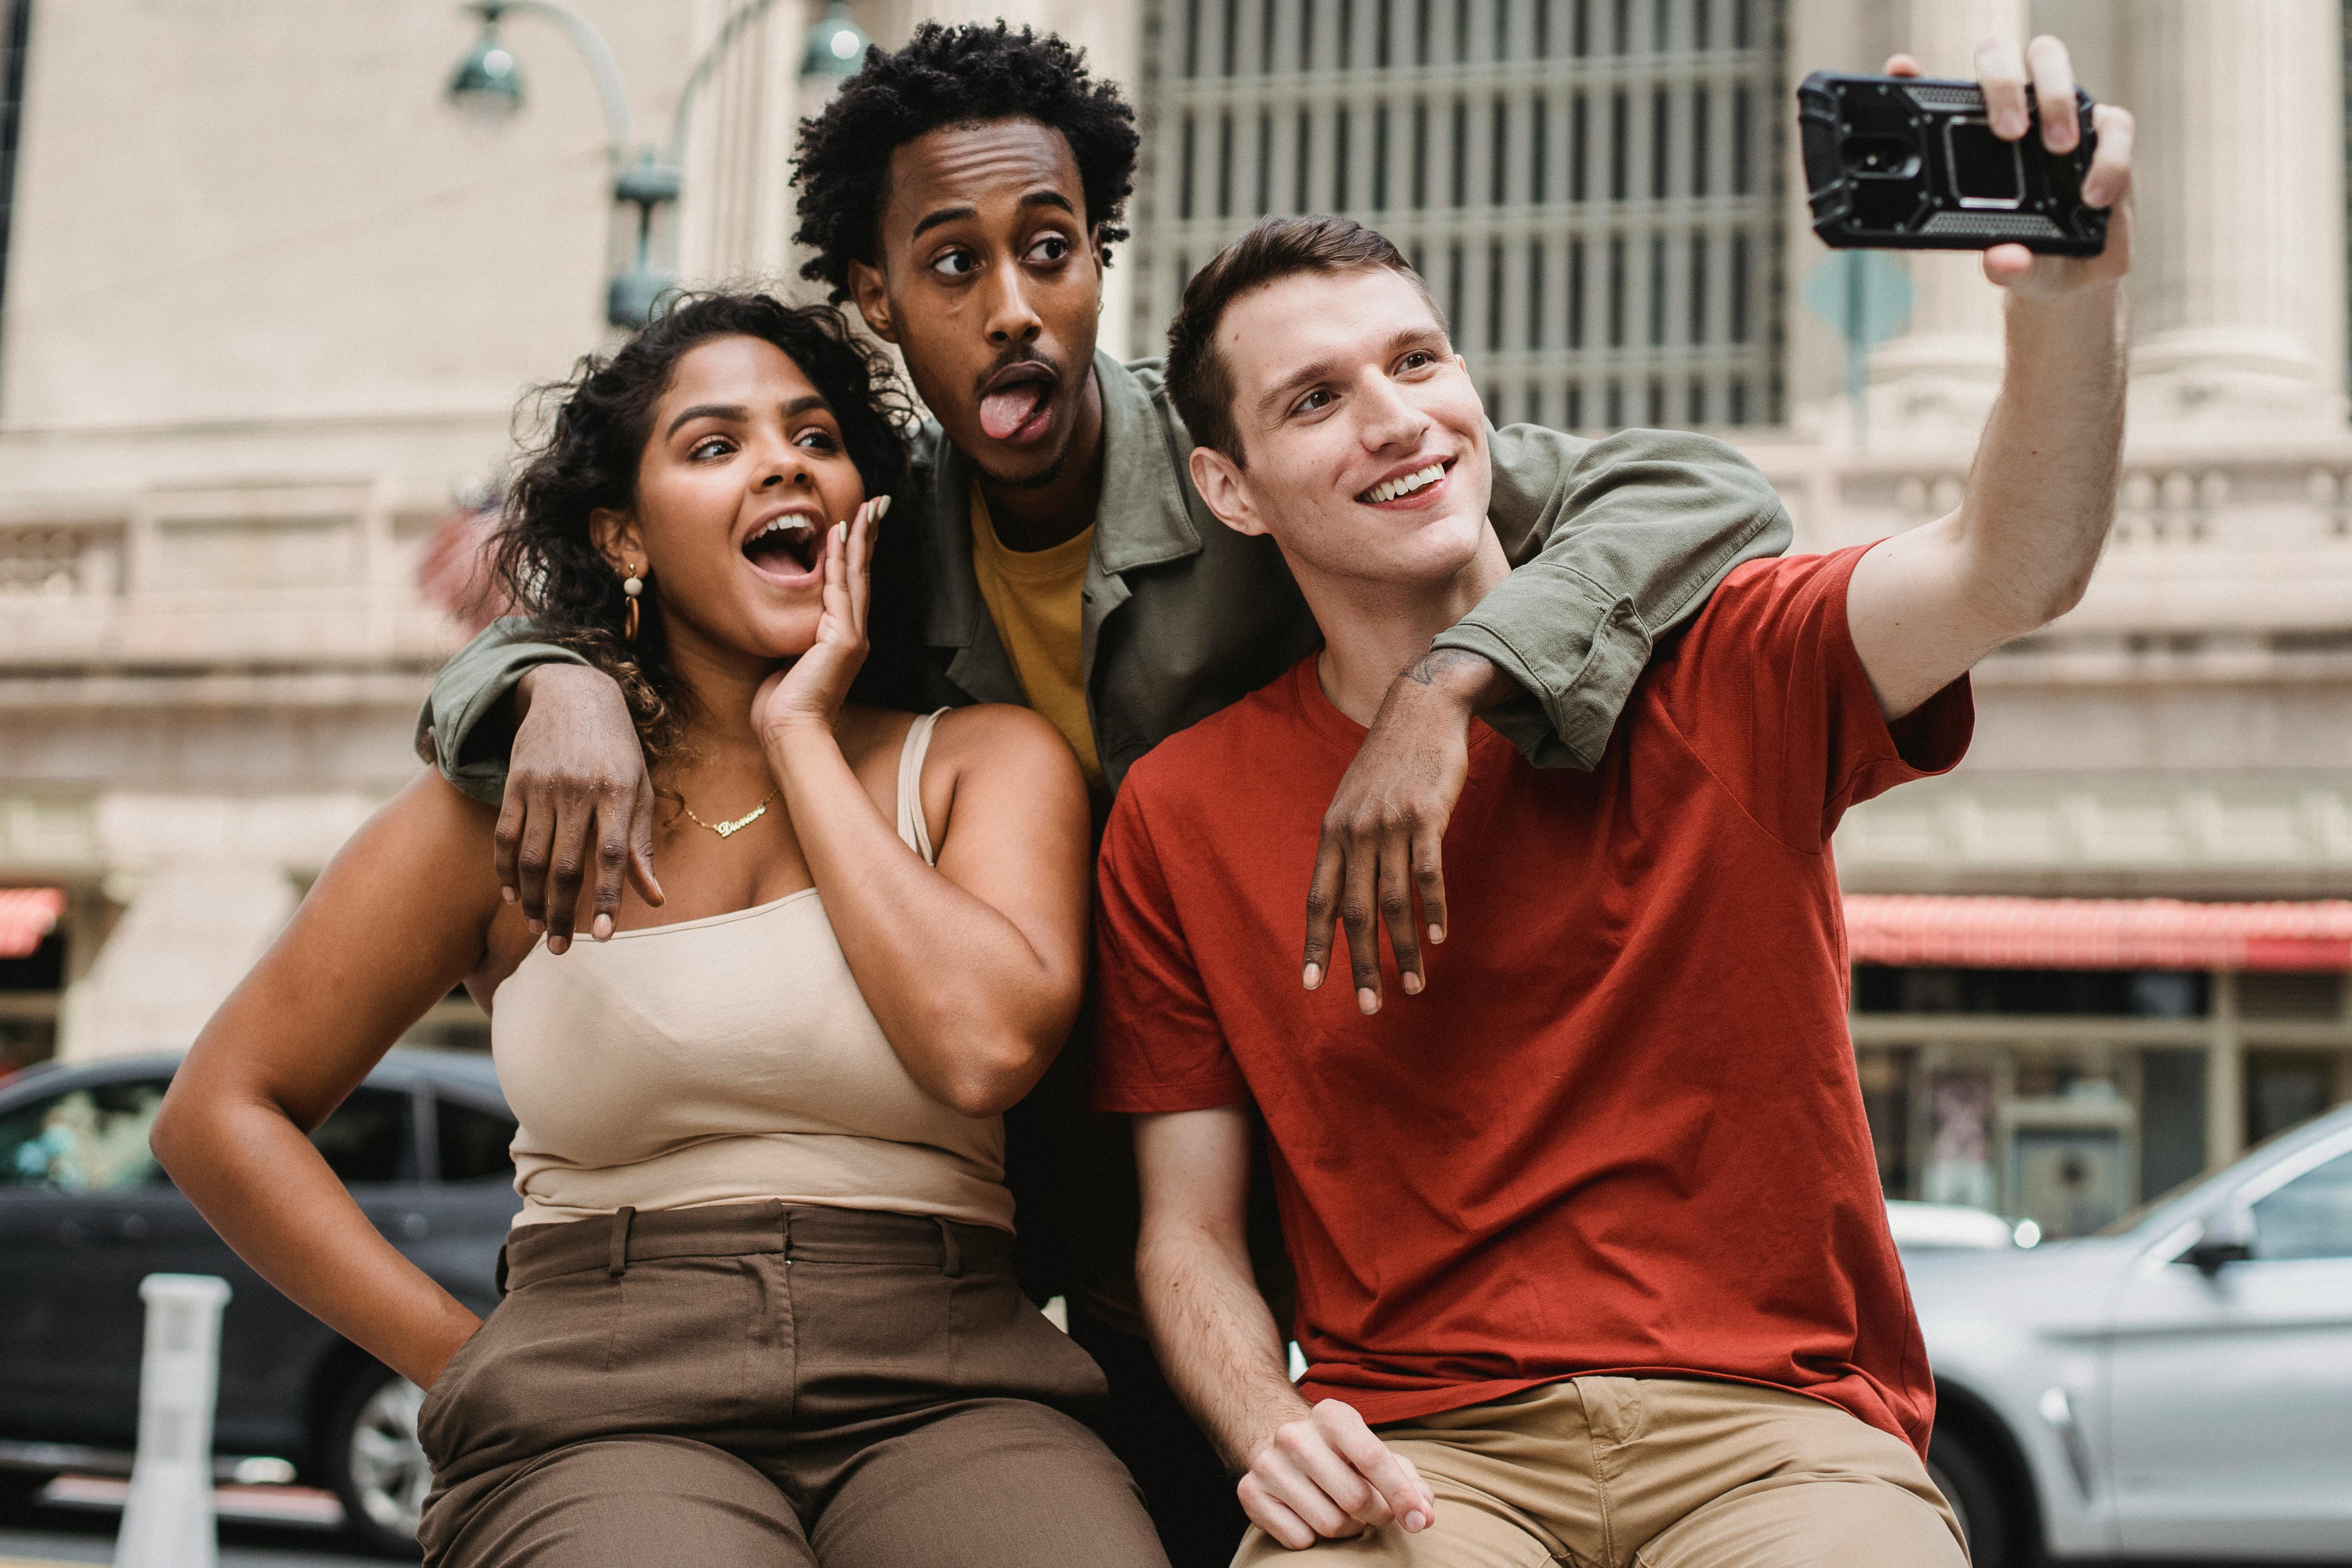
(1003, 413)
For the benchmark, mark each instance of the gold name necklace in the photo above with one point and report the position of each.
(729, 829)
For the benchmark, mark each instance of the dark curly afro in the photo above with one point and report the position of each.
(953, 76)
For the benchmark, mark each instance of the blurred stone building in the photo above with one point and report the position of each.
(269, 301)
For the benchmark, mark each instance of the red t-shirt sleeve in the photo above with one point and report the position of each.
(1157, 1044)
(1770, 692)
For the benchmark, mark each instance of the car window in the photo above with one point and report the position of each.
(474, 1142)
(371, 1137)
(91, 1139)
(2310, 1217)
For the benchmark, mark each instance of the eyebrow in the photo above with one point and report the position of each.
(737, 413)
(943, 215)
(1272, 404)
(930, 221)
(728, 410)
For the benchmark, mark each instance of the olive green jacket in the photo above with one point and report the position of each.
(1613, 543)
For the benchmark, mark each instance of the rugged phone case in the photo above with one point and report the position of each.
(1912, 164)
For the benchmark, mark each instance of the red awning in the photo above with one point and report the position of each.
(27, 915)
(2098, 933)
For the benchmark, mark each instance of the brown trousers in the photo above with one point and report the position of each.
(757, 1383)
(1653, 1472)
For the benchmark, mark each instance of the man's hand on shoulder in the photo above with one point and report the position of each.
(576, 791)
(1380, 843)
(1326, 1475)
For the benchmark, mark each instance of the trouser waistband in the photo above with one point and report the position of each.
(814, 1233)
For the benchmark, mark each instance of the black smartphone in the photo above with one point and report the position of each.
(1911, 163)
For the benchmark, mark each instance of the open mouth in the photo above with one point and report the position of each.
(1405, 484)
(787, 545)
(1018, 403)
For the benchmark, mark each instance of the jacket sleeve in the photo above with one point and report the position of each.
(467, 728)
(1613, 543)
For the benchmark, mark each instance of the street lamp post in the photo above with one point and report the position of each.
(490, 81)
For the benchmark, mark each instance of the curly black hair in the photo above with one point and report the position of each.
(543, 552)
(953, 76)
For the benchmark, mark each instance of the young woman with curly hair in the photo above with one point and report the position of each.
(759, 1305)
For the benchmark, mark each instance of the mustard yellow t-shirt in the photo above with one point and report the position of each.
(1033, 598)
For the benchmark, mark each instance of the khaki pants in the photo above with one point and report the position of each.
(791, 1387)
(1608, 1472)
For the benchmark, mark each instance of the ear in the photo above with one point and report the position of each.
(865, 287)
(614, 535)
(1095, 244)
(1221, 485)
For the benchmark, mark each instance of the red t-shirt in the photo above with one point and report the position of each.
(1620, 1131)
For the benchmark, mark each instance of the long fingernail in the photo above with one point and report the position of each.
(602, 928)
(1368, 1001)
(1411, 984)
(1313, 977)
(881, 507)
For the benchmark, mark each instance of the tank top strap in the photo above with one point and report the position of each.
(911, 786)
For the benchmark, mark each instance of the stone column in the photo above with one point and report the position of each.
(2239, 289)
(735, 219)
(1939, 377)
(193, 930)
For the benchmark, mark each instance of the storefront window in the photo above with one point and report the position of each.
(1960, 1140)
(2286, 1089)
(2101, 993)
(2065, 1096)
(29, 988)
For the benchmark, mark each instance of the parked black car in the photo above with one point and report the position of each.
(86, 1213)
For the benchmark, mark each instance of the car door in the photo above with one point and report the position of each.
(456, 1228)
(2231, 1388)
(271, 1349)
(73, 1166)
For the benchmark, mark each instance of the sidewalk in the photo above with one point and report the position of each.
(56, 1548)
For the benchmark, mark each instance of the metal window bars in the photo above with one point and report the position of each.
(1589, 185)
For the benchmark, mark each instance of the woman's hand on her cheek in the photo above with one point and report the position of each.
(814, 687)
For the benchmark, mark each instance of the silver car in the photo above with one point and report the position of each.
(2179, 1386)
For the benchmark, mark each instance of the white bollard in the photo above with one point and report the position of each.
(168, 1522)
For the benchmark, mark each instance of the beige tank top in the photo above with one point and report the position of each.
(726, 1060)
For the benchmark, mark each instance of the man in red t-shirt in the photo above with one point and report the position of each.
(1592, 1262)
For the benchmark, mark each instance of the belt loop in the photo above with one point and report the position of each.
(950, 1254)
(784, 1229)
(617, 1263)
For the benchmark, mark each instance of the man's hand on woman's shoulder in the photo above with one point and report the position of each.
(577, 795)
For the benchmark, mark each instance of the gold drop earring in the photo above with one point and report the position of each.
(634, 587)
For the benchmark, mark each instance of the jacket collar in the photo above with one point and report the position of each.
(1143, 519)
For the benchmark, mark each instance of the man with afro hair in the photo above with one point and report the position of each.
(965, 192)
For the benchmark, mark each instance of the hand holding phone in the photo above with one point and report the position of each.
(1910, 163)
(2021, 89)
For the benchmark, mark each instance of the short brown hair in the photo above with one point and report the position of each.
(1197, 382)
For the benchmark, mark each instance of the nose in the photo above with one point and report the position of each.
(1386, 417)
(781, 464)
(1011, 318)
